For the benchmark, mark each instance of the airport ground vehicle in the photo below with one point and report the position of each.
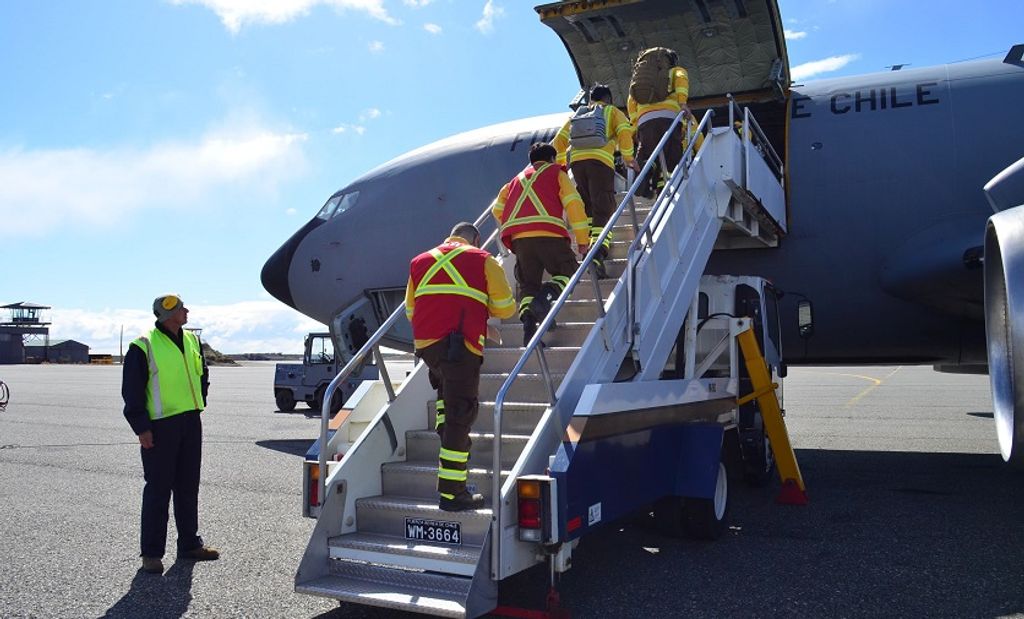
(642, 396)
(307, 382)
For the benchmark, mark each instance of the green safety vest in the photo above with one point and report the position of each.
(175, 378)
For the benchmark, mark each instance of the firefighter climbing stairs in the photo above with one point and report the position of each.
(380, 538)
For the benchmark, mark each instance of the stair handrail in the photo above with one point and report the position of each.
(371, 347)
(639, 243)
(545, 325)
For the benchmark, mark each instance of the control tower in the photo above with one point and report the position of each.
(22, 323)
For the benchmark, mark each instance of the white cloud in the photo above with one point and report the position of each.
(826, 65)
(290, 211)
(247, 326)
(43, 189)
(236, 13)
(345, 128)
(432, 28)
(376, 47)
(491, 12)
(369, 114)
(417, 4)
(793, 35)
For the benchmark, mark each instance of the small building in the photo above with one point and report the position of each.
(59, 351)
(24, 325)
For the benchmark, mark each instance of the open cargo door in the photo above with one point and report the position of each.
(727, 46)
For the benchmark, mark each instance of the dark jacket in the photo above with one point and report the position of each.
(135, 375)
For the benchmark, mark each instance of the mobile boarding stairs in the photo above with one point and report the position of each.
(558, 412)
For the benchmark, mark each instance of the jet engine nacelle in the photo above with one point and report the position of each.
(1004, 327)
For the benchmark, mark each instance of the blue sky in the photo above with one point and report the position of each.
(173, 145)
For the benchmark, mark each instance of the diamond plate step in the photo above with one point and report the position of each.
(516, 418)
(559, 359)
(434, 594)
(419, 479)
(566, 334)
(526, 387)
(424, 445)
(410, 554)
(385, 515)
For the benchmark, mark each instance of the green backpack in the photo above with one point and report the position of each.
(651, 81)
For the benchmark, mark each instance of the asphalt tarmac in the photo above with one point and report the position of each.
(911, 512)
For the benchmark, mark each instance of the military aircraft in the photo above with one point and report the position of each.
(890, 233)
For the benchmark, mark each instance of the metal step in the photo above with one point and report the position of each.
(526, 387)
(385, 515)
(434, 594)
(585, 289)
(566, 334)
(517, 417)
(559, 359)
(408, 554)
(424, 445)
(419, 479)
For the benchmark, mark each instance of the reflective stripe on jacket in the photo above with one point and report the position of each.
(620, 138)
(674, 102)
(450, 293)
(533, 204)
(175, 377)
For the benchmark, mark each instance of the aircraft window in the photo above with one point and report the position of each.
(338, 204)
(328, 209)
(348, 200)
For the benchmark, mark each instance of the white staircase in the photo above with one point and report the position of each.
(387, 481)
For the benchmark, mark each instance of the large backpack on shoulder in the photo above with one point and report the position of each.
(651, 81)
(587, 128)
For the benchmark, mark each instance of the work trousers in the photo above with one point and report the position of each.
(458, 386)
(596, 183)
(649, 134)
(172, 466)
(536, 254)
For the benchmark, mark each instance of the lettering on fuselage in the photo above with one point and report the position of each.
(871, 100)
(532, 137)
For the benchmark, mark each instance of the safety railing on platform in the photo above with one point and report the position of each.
(534, 345)
(645, 236)
(372, 347)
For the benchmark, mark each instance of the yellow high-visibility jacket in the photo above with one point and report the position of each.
(674, 102)
(620, 138)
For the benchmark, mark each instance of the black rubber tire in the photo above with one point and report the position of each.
(285, 400)
(705, 518)
(759, 464)
(336, 400)
(668, 516)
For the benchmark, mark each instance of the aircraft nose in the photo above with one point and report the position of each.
(274, 275)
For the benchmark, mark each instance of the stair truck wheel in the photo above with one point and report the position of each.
(705, 518)
(285, 400)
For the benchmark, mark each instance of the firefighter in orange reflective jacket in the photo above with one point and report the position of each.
(532, 209)
(451, 292)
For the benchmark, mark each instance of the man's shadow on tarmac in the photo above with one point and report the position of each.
(166, 595)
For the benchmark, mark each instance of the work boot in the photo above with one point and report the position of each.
(545, 299)
(202, 553)
(529, 326)
(152, 565)
(462, 502)
(599, 269)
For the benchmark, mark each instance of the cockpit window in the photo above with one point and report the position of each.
(338, 204)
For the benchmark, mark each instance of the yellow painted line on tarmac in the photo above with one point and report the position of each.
(870, 388)
(875, 382)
